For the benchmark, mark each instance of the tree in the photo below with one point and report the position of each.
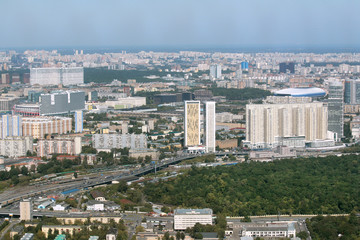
(122, 186)
(24, 171)
(302, 235)
(139, 229)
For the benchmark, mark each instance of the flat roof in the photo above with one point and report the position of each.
(182, 211)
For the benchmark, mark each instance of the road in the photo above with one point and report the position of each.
(15, 194)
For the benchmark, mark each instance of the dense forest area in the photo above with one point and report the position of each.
(240, 94)
(332, 228)
(294, 186)
(103, 75)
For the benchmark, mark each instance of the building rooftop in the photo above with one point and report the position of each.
(205, 211)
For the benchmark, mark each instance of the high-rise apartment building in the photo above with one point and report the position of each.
(336, 108)
(60, 145)
(210, 127)
(79, 121)
(352, 91)
(267, 125)
(37, 127)
(215, 71)
(10, 125)
(55, 76)
(106, 142)
(192, 123)
(25, 210)
(16, 146)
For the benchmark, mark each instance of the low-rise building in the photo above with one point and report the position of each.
(184, 218)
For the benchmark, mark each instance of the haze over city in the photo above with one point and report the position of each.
(181, 24)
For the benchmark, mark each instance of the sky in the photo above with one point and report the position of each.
(177, 23)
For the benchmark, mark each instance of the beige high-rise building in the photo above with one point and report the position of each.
(37, 127)
(192, 123)
(267, 125)
(25, 210)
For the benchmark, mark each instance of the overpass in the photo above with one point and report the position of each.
(6, 199)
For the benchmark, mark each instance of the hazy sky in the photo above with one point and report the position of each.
(98, 23)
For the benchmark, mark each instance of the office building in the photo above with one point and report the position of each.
(5, 78)
(169, 98)
(34, 96)
(56, 76)
(38, 127)
(79, 121)
(16, 146)
(215, 71)
(270, 125)
(60, 145)
(210, 127)
(25, 210)
(352, 91)
(92, 96)
(7, 102)
(10, 125)
(62, 102)
(192, 123)
(187, 218)
(336, 109)
(244, 66)
(106, 142)
(287, 67)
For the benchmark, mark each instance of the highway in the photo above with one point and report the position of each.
(17, 193)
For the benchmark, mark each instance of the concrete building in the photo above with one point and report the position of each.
(56, 76)
(336, 109)
(61, 145)
(215, 71)
(61, 102)
(184, 218)
(16, 146)
(352, 91)
(37, 127)
(210, 126)
(26, 210)
(10, 126)
(105, 142)
(269, 230)
(267, 125)
(128, 102)
(192, 123)
(79, 121)
(7, 102)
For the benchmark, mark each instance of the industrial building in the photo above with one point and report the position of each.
(184, 218)
(56, 76)
(61, 102)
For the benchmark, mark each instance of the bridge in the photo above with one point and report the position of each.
(82, 184)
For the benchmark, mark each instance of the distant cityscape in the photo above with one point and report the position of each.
(85, 135)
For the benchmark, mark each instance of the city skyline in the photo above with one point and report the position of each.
(205, 24)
